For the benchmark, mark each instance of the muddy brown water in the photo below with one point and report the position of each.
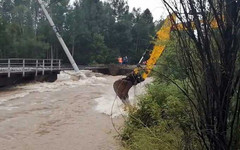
(65, 115)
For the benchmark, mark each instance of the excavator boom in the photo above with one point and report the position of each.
(139, 74)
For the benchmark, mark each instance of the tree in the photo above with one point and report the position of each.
(210, 57)
(120, 8)
(143, 32)
(6, 8)
(109, 25)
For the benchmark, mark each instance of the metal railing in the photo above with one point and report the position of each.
(18, 65)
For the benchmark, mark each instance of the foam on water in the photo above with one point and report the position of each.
(8, 108)
(105, 102)
(64, 80)
(7, 98)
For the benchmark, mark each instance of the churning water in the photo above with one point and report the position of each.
(66, 79)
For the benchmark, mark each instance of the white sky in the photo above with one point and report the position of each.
(155, 6)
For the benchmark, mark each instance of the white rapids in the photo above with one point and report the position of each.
(66, 80)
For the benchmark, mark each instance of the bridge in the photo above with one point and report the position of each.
(28, 66)
(16, 70)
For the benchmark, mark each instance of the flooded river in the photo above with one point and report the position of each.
(63, 115)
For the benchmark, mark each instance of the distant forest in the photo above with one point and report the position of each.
(95, 32)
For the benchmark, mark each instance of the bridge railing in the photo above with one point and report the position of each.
(17, 65)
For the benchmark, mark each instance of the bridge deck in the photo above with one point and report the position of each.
(23, 66)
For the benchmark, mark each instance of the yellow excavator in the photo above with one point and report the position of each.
(139, 74)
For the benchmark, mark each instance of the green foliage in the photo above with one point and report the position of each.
(143, 32)
(94, 31)
(161, 122)
(160, 138)
(169, 64)
(30, 47)
(100, 50)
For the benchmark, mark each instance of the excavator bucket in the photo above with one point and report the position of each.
(121, 88)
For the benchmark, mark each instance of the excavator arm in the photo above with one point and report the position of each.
(139, 74)
(163, 36)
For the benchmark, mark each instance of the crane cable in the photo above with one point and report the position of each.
(112, 117)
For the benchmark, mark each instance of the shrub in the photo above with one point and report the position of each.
(160, 122)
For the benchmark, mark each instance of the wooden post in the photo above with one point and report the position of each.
(51, 64)
(9, 68)
(43, 66)
(23, 69)
(59, 64)
(36, 73)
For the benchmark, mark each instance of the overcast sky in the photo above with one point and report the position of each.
(155, 6)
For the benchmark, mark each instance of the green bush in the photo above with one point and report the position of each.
(158, 137)
(161, 122)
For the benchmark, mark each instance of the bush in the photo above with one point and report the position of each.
(161, 122)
